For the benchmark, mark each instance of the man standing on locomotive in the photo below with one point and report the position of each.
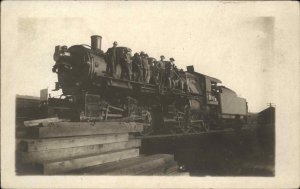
(146, 67)
(169, 73)
(137, 67)
(149, 70)
(161, 66)
(154, 72)
(126, 64)
(111, 59)
(173, 66)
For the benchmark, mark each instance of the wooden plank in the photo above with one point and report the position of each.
(103, 168)
(160, 163)
(128, 166)
(94, 124)
(37, 122)
(72, 164)
(30, 145)
(67, 153)
(173, 169)
(63, 129)
(116, 108)
(211, 132)
(114, 115)
(160, 169)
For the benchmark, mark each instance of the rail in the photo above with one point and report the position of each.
(164, 136)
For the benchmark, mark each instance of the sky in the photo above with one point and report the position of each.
(247, 45)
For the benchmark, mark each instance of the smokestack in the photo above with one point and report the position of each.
(96, 42)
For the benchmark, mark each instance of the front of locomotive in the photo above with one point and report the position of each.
(78, 65)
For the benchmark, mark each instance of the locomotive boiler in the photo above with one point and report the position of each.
(90, 94)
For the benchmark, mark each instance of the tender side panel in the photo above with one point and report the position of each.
(232, 104)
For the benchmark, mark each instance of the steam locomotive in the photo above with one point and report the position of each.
(90, 94)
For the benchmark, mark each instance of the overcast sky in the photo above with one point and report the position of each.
(250, 46)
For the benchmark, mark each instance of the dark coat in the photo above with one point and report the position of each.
(145, 63)
(136, 64)
(111, 55)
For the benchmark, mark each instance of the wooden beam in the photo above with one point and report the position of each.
(94, 124)
(173, 169)
(116, 108)
(67, 153)
(158, 170)
(63, 129)
(106, 167)
(72, 164)
(31, 145)
(114, 115)
(38, 122)
(163, 168)
(145, 166)
(211, 132)
(127, 166)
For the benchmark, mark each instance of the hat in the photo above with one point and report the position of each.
(172, 59)
(115, 43)
(162, 56)
(142, 52)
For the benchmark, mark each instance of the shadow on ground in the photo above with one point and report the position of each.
(246, 153)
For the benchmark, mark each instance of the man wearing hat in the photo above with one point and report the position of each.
(169, 72)
(161, 66)
(146, 67)
(126, 64)
(111, 59)
(137, 67)
(174, 73)
(154, 72)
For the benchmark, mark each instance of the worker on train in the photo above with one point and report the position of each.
(154, 71)
(111, 59)
(137, 68)
(169, 73)
(161, 66)
(146, 68)
(126, 64)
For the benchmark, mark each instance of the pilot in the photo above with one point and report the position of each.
(111, 59)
